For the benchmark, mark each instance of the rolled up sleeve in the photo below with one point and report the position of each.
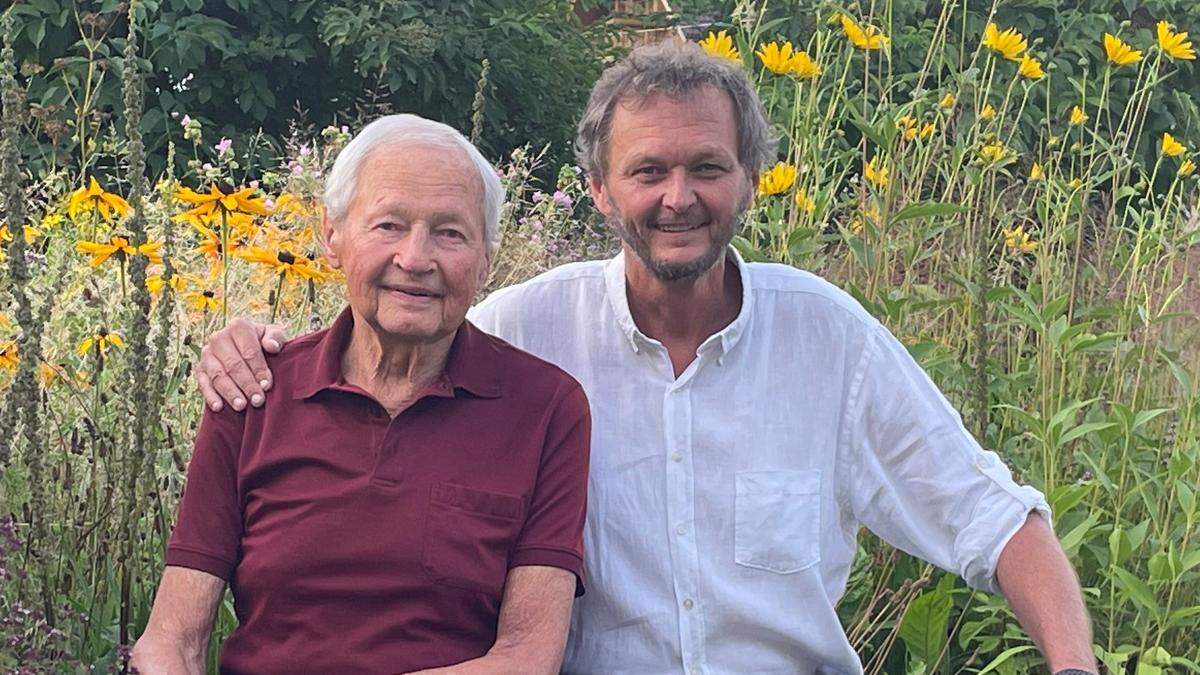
(920, 480)
(553, 531)
(208, 530)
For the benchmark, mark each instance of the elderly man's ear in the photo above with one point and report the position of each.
(330, 240)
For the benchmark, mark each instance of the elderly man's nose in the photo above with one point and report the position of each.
(679, 194)
(414, 253)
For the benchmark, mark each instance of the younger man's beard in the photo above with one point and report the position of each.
(682, 271)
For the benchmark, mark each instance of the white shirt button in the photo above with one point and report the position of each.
(687, 604)
(680, 530)
(677, 456)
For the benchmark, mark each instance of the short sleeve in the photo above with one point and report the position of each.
(553, 531)
(208, 531)
(920, 481)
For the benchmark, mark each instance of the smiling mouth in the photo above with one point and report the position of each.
(677, 227)
(414, 292)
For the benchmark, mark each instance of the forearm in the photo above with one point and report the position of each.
(155, 654)
(1044, 594)
(496, 663)
(175, 641)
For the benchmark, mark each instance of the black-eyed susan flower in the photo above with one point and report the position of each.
(1078, 117)
(1008, 43)
(155, 283)
(721, 45)
(1171, 147)
(120, 247)
(99, 342)
(777, 180)
(1030, 68)
(290, 207)
(94, 200)
(1175, 45)
(203, 301)
(1119, 53)
(867, 38)
(879, 176)
(9, 358)
(288, 263)
(220, 201)
(31, 233)
(775, 57)
(1018, 241)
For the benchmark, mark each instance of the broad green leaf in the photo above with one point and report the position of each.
(1145, 416)
(1004, 656)
(1071, 541)
(925, 625)
(927, 210)
(1137, 590)
(1084, 429)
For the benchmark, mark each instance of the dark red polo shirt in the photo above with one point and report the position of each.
(357, 543)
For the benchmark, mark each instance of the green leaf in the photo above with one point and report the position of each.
(1071, 541)
(867, 130)
(927, 210)
(1084, 429)
(925, 624)
(1004, 656)
(1145, 416)
(1137, 590)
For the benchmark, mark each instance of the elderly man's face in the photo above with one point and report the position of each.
(674, 189)
(412, 243)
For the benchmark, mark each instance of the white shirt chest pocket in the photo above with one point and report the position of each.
(777, 519)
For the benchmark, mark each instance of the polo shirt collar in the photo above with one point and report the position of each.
(615, 288)
(470, 365)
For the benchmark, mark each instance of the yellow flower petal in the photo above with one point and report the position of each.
(721, 45)
(1174, 45)
(1119, 53)
(1172, 147)
(1030, 68)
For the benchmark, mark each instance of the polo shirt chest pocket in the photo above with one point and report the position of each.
(777, 519)
(468, 536)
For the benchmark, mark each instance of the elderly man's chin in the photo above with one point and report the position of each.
(411, 324)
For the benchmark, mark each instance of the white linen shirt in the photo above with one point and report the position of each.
(724, 504)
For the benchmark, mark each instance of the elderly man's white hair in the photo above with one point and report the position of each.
(342, 182)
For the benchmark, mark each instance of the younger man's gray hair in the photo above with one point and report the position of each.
(675, 69)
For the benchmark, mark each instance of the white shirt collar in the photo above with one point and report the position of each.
(614, 280)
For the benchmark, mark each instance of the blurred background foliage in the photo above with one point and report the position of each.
(264, 68)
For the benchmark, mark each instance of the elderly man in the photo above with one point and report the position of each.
(749, 417)
(413, 494)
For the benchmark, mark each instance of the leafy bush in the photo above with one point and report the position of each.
(241, 66)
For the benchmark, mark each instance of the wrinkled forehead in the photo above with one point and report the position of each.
(420, 175)
(700, 122)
